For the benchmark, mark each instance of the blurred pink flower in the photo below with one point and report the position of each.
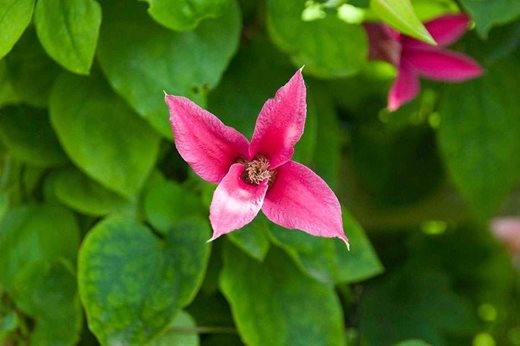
(507, 229)
(412, 57)
(258, 174)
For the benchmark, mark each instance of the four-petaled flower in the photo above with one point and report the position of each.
(413, 58)
(258, 174)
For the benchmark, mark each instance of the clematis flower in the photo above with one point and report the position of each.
(414, 58)
(507, 230)
(258, 174)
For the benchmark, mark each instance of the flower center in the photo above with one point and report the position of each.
(257, 170)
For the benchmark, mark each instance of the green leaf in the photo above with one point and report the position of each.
(15, 16)
(478, 136)
(142, 59)
(488, 14)
(48, 294)
(412, 342)
(327, 47)
(167, 202)
(326, 158)
(8, 324)
(29, 137)
(253, 238)
(33, 234)
(184, 15)
(101, 135)
(7, 93)
(327, 259)
(273, 303)
(77, 191)
(382, 154)
(400, 15)
(68, 30)
(180, 332)
(132, 283)
(31, 72)
(414, 302)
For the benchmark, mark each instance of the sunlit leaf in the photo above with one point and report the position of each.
(68, 30)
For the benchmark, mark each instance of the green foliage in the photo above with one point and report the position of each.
(15, 15)
(178, 333)
(326, 259)
(101, 217)
(101, 134)
(401, 15)
(478, 135)
(31, 235)
(488, 14)
(167, 202)
(321, 45)
(253, 238)
(28, 135)
(142, 59)
(68, 30)
(77, 191)
(280, 305)
(30, 71)
(185, 15)
(48, 294)
(132, 283)
(420, 295)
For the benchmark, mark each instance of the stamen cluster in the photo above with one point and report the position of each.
(257, 170)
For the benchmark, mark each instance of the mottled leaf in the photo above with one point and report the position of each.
(132, 283)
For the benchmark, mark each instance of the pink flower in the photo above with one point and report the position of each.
(413, 58)
(258, 174)
(507, 229)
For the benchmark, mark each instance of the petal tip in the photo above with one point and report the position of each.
(213, 237)
(345, 240)
(393, 104)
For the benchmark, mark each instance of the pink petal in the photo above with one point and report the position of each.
(203, 141)
(442, 65)
(382, 45)
(507, 229)
(448, 28)
(396, 35)
(235, 203)
(280, 123)
(405, 87)
(299, 199)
